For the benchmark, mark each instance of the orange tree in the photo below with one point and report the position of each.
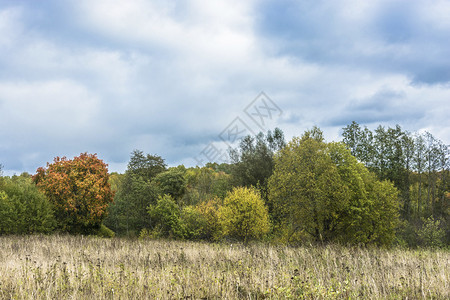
(79, 191)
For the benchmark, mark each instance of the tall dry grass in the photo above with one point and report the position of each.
(76, 267)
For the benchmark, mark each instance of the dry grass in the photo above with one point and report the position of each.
(62, 267)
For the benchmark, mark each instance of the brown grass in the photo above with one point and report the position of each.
(76, 267)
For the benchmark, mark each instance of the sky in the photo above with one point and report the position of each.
(184, 79)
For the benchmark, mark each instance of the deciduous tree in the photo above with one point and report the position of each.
(320, 190)
(79, 190)
(136, 190)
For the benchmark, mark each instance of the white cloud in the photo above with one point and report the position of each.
(49, 108)
(167, 77)
(9, 26)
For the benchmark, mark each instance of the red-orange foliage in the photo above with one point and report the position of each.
(79, 190)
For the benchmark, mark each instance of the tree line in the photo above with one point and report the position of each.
(379, 187)
(418, 164)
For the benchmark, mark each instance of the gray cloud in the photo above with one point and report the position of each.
(405, 37)
(384, 106)
(108, 77)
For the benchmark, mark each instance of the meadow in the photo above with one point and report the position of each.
(79, 267)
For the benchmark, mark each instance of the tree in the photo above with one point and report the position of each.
(78, 189)
(253, 160)
(145, 166)
(172, 182)
(320, 191)
(23, 208)
(419, 165)
(416, 164)
(409, 149)
(128, 214)
(203, 184)
(6, 208)
(305, 189)
(432, 163)
(136, 190)
(444, 184)
(431, 234)
(360, 143)
(243, 215)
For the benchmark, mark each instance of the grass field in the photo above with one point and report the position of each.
(76, 267)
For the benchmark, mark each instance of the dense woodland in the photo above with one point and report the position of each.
(381, 187)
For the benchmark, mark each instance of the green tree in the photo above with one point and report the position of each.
(166, 215)
(193, 223)
(382, 213)
(443, 183)
(23, 208)
(203, 184)
(320, 191)
(115, 180)
(7, 214)
(172, 182)
(136, 190)
(419, 165)
(409, 149)
(128, 214)
(145, 166)
(416, 164)
(305, 189)
(360, 142)
(243, 215)
(253, 159)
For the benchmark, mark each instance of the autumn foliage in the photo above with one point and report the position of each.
(78, 189)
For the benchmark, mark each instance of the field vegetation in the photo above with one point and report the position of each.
(79, 267)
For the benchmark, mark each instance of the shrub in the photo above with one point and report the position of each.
(166, 215)
(243, 215)
(6, 213)
(209, 219)
(431, 235)
(105, 232)
(193, 223)
(23, 209)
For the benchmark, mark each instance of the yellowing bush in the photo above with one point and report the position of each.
(243, 215)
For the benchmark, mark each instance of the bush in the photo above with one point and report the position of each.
(166, 215)
(150, 234)
(431, 235)
(407, 234)
(209, 219)
(243, 215)
(105, 232)
(6, 213)
(23, 209)
(193, 223)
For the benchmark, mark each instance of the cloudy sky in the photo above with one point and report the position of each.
(169, 77)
